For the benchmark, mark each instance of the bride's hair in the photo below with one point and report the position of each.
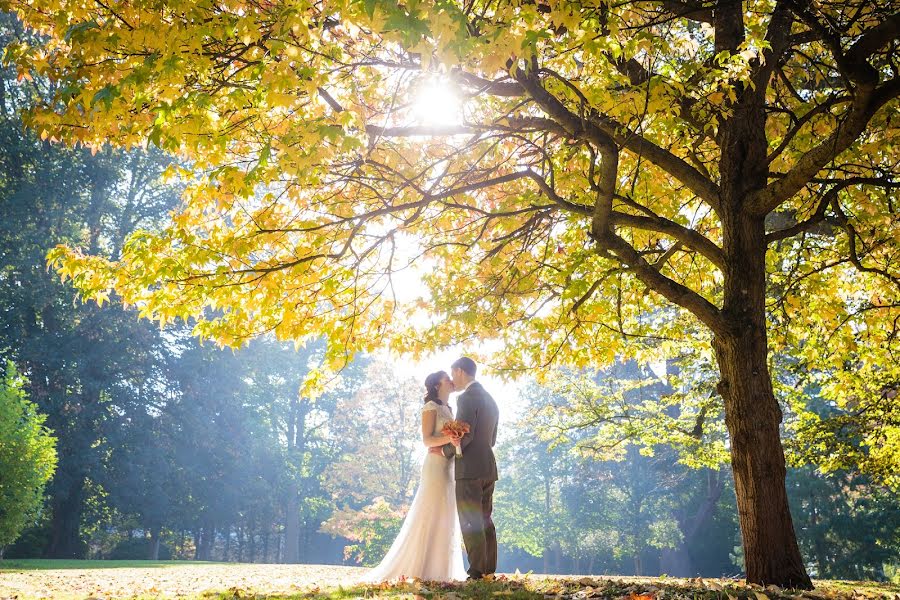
(432, 383)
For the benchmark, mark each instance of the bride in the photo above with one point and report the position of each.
(428, 546)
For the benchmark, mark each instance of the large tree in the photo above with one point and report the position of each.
(615, 171)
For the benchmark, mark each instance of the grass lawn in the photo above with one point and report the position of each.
(65, 580)
(39, 564)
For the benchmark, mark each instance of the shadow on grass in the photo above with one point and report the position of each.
(413, 590)
(584, 588)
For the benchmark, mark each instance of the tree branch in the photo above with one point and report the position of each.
(673, 291)
(874, 39)
(690, 238)
(694, 11)
(865, 104)
(827, 198)
(807, 116)
(580, 128)
(677, 167)
(506, 89)
(852, 234)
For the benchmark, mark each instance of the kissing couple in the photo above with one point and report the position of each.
(455, 494)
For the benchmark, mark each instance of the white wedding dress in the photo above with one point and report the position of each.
(429, 545)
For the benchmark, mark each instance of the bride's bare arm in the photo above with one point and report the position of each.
(430, 441)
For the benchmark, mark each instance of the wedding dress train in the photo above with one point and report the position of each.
(429, 545)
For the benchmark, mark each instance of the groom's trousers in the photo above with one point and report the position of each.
(475, 502)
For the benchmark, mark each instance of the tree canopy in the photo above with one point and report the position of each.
(319, 179)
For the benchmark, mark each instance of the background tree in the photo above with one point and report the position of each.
(27, 458)
(590, 501)
(374, 482)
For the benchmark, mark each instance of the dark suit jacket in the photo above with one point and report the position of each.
(476, 407)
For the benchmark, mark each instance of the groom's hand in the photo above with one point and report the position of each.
(435, 450)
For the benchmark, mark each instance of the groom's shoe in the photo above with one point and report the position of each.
(474, 576)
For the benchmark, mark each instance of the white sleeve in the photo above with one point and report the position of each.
(429, 406)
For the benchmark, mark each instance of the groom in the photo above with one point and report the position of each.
(476, 469)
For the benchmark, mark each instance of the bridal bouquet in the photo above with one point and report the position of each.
(456, 429)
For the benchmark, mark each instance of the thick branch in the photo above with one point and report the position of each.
(852, 234)
(865, 105)
(802, 121)
(690, 238)
(580, 128)
(635, 143)
(673, 291)
(695, 11)
(875, 39)
(677, 167)
(507, 89)
(778, 37)
(825, 201)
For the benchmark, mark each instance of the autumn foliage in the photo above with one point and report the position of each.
(657, 178)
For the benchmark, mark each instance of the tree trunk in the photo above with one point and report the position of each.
(65, 530)
(154, 543)
(752, 414)
(292, 500)
(251, 542)
(226, 552)
(279, 544)
(207, 540)
(676, 562)
(240, 542)
(292, 526)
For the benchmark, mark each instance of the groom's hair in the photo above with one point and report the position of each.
(466, 364)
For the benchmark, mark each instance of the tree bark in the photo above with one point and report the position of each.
(240, 542)
(752, 414)
(154, 543)
(292, 501)
(251, 541)
(226, 552)
(207, 541)
(740, 344)
(65, 536)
